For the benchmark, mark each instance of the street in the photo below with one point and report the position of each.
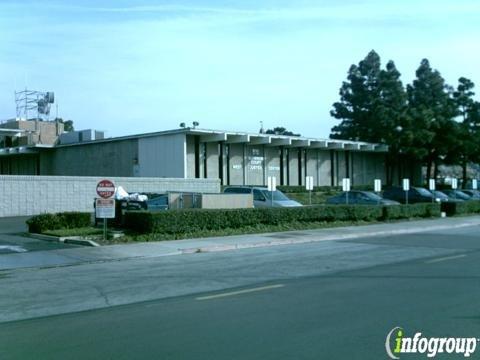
(326, 300)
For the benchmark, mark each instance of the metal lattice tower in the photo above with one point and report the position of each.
(35, 103)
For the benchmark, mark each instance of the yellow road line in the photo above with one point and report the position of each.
(239, 292)
(445, 259)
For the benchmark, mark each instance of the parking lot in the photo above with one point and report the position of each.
(13, 238)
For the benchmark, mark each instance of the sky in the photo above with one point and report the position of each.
(129, 67)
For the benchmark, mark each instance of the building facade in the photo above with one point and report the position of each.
(236, 158)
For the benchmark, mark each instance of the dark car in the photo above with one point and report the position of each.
(474, 194)
(158, 203)
(442, 197)
(154, 204)
(457, 194)
(360, 198)
(415, 195)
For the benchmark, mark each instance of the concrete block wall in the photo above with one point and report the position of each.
(31, 195)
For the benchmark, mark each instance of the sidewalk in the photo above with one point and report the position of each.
(63, 257)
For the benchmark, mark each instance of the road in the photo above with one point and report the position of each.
(328, 300)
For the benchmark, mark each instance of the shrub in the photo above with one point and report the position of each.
(411, 211)
(64, 220)
(192, 220)
(459, 208)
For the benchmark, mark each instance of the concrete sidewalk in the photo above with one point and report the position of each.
(64, 257)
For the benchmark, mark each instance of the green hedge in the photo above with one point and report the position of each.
(64, 220)
(191, 220)
(459, 208)
(411, 211)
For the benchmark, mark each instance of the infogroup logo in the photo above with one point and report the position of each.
(397, 343)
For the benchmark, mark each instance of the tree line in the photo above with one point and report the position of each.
(427, 121)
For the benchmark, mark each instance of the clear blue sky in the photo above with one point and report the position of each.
(139, 66)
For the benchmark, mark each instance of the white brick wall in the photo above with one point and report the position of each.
(31, 195)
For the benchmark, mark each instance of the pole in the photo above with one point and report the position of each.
(310, 195)
(406, 197)
(104, 228)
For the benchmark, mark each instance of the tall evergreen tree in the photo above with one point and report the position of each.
(432, 110)
(468, 146)
(358, 99)
(372, 107)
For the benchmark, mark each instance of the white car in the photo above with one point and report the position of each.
(262, 197)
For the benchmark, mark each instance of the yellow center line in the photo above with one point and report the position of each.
(445, 259)
(239, 292)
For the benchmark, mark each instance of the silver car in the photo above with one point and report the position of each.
(262, 197)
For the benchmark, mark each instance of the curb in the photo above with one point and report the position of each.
(67, 239)
(239, 246)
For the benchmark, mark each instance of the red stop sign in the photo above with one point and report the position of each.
(105, 189)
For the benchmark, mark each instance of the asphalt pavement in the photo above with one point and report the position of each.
(14, 239)
(317, 300)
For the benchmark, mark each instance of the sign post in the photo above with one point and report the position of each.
(105, 206)
(454, 186)
(272, 186)
(431, 187)
(406, 188)
(346, 188)
(309, 186)
(377, 187)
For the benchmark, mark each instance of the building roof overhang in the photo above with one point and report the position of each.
(235, 137)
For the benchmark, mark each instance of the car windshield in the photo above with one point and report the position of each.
(424, 192)
(277, 195)
(462, 195)
(372, 196)
(440, 195)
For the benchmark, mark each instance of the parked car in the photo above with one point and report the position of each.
(415, 195)
(360, 198)
(262, 197)
(154, 204)
(158, 203)
(444, 197)
(457, 194)
(474, 194)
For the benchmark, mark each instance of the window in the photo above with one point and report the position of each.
(258, 196)
(277, 196)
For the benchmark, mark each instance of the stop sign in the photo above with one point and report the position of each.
(105, 189)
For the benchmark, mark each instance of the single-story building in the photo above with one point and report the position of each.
(236, 158)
